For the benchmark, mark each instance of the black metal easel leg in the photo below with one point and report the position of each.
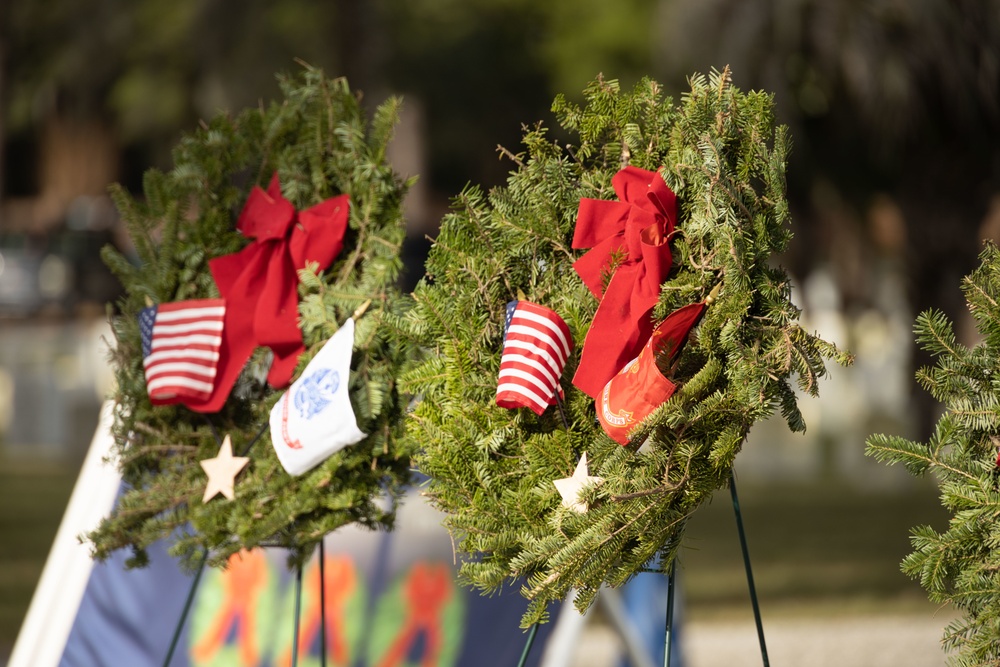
(671, 586)
(186, 610)
(746, 563)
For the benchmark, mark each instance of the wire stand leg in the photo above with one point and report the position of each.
(668, 645)
(746, 563)
(322, 604)
(186, 610)
(298, 609)
(527, 645)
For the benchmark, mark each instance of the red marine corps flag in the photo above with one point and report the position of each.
(536, 345)
(641, 386)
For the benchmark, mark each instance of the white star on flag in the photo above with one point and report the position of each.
(222, 471)
(570, 487)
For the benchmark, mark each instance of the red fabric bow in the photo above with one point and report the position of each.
(639, 225)
(260, 282)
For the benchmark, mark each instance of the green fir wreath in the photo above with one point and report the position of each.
(320, 144)
(492, 469)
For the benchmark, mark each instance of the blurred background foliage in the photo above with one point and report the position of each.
(891, 103)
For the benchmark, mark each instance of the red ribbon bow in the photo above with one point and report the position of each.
(260, 282)
(640, 225)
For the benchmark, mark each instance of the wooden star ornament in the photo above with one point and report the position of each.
(570, 487)
(222, 471)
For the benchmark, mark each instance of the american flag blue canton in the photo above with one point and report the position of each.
(147, 318)
(511, 307)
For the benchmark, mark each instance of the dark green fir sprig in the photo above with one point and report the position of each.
(492, 469)
(961, 564)
(319, 141)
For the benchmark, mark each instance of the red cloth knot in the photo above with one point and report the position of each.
(635, 230)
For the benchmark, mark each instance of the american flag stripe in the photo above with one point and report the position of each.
(181, 342)
(516, 395)
(515, 374)
(513, 360)
(537, 344)
(206, 314)
(188, 353)
(179, 368)
(169, 387)
(186, 327)
(558, 329)
(539, 338)
(539, 357)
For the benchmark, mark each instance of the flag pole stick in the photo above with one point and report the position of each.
(562, 411)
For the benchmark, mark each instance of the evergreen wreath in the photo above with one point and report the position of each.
(319, 144)
(492, 469)
(961, 564)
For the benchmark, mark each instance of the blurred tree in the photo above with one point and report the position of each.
(883, 96)
(485, 67)
(895, 111)
(149, 67)
(894, 105)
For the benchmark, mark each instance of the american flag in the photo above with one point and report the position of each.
(180, 348)
(536, 345)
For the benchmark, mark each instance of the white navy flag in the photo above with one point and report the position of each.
(314, 418)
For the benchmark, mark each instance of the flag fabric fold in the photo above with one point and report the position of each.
(536, 346)
(180, 349)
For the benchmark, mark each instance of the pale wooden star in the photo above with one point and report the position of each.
(222, 471)
(570, 487)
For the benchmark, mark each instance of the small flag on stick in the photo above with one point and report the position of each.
(314, 418)
(536, 345)
(180, 349)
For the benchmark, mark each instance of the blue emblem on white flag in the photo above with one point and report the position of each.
(314, 418)
(316, 392)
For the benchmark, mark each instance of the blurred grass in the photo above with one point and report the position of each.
(33, 496)
(822, 548)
